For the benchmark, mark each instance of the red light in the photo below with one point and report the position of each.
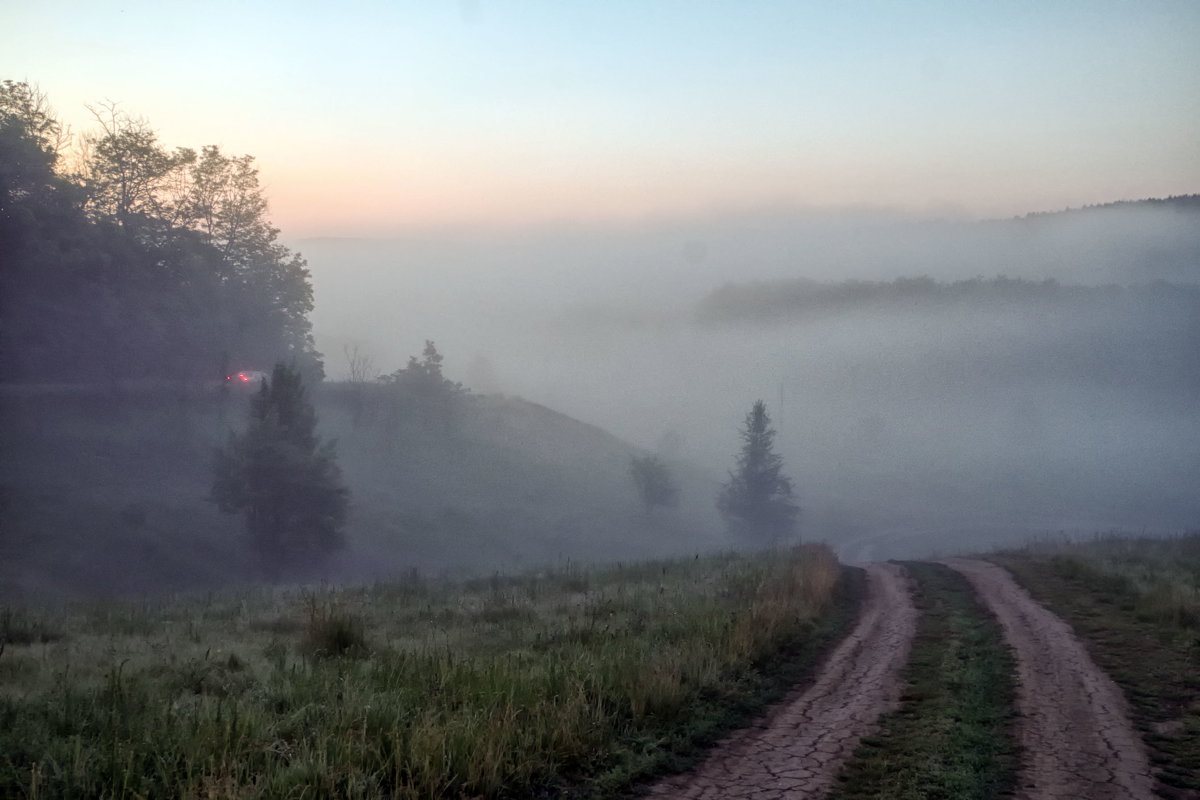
(245, 378)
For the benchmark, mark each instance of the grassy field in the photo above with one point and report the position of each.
(952, 736)
(576, 681)
(1135, 602)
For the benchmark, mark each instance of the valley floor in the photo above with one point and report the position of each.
(1069, 671)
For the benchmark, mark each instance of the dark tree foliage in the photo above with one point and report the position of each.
(423, 374)
(807, 299)
(423, 390)
(757, 501)
(655, 486)
(140, 263)
(282, 479)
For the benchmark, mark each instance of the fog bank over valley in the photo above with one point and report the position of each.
(552, 285)
(936, 387)
(958, 408)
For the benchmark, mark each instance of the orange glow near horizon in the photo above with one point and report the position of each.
(391, 198)
(394, 197)
(528, 114)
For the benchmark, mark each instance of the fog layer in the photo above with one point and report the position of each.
(931, 424)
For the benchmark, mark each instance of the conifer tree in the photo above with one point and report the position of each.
(282, 479)
(757, 500)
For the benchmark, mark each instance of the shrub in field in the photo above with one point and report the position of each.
(653, 481)
(18, 628)
(334, 632)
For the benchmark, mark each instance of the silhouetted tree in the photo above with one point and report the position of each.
(757, 500)
(52, 261)
(269, 285)
(424, 391)
(360, 369)
(282, 479)
(655, 486)
(128, 174)
(423, 374)
(144, 262)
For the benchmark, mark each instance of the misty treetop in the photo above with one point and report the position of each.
(1175, 202)
(123, 259)
(423, 374)
(422, 391)
(758, 501)
(655, 485)
(803, 298)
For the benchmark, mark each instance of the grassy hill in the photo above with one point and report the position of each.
(104, 489)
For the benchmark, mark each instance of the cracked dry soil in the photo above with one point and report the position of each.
(1074, 724)
(798, 748)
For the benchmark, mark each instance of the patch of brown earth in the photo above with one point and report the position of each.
(799, 747)
(1074, 726)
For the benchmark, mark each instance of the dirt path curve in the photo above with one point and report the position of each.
(797, 749)
(1074, 725)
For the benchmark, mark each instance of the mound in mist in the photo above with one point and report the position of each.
(105, 489)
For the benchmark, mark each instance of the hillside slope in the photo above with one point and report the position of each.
(105, 489)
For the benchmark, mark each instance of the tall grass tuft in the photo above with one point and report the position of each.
(333, 632)
(18, 628)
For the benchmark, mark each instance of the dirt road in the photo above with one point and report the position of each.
(1074, 726)
(797, 750)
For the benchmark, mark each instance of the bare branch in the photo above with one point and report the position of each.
(359, 364)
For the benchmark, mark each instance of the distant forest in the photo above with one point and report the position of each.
(799, 299)
(122, 260)
(1180, 202)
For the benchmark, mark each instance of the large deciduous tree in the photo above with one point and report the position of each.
(128, 174)
(282, 479)
(758, 501)
(32, 137)
(137, 262)
(267, 288)
(52, 261)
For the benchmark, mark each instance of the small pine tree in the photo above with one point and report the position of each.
(282, 479)
(757, 500)
(653, 480)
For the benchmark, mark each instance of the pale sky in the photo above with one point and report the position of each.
(373, 117)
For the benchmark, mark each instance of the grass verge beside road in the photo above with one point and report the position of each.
(1135, 603)
(952, 735)
(575, 681)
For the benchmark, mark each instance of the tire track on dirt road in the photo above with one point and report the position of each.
(797, 749)
(1074, 725)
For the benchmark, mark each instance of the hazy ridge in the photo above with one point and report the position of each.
(108, 492)
(940, 382)
(925, 410)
